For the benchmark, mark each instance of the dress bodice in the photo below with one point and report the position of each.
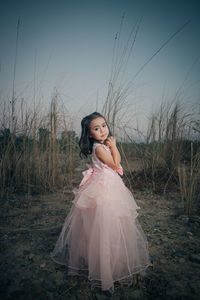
(99, 164)
(96, 162)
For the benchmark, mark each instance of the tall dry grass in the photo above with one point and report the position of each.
(167, 161)
(40, 152)
(164, 143)
(189, 179)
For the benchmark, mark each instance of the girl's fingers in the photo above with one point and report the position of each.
(110, 141)
(111, 138)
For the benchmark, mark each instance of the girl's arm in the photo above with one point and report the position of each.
(112, 159)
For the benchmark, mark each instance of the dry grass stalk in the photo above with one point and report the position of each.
(189, 180)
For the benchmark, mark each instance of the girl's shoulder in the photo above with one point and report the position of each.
(95, 145)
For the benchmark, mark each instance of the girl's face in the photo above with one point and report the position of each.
(99, 129)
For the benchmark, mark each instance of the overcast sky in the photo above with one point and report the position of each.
(69, 45)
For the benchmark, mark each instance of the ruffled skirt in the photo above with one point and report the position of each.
(101, 237)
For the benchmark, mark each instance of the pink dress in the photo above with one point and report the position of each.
(101, 237)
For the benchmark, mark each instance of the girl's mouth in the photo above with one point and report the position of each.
(103, 135)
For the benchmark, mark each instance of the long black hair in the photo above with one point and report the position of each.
(86, 142)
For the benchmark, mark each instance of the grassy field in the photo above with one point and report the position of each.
(38, 153)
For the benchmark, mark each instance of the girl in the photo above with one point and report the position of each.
(101, 237)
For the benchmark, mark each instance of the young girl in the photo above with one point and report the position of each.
(101, 237)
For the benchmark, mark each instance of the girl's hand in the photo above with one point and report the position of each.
(110, 142)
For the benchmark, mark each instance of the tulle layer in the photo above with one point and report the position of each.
(106, 188)
(101, 237)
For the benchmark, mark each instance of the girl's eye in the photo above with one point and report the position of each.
(96, 129)
(104, 125)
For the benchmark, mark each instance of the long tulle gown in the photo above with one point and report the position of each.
(101, 237)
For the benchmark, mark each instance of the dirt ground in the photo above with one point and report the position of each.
(30, 227)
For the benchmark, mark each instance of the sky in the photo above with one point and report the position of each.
(68, 46)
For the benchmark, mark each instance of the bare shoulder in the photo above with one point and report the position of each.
(101, 152)
(100, 149)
